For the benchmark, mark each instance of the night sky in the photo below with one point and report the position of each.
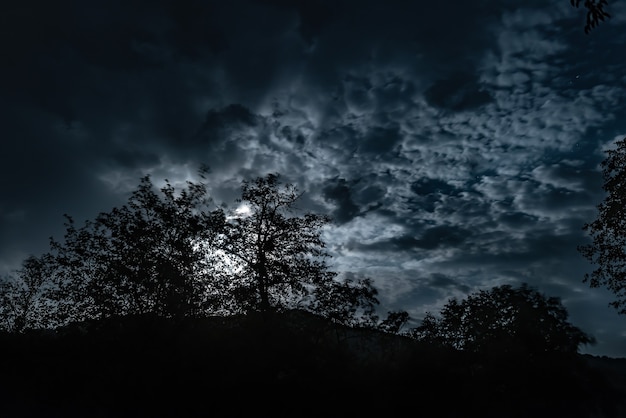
(455, 144)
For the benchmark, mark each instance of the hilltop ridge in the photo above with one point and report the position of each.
(287, 364)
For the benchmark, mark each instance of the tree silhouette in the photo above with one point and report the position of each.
(394, 322)
(25, 301)
(147, 256)
(349, 302)
(276, 259)
(280, 257)
(519, 320)
(608, 231)
(595, 12)
(170, 253)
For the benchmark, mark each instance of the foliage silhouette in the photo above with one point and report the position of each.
(278, 254)
(595, 12)
(608, 231)
(503, 320)
(350, 302)
(280, 258)
(394, 322)
(145, 256)
(173, 254)
(24, 298)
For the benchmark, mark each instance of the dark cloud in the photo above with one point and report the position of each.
(313, 16)
(380, 140)
(439, 280)
(369, 195)
(340, 194)
(131, 157)
(516, 220)
(441, 236)
(426, 186)
(219, 124)
(458, 92)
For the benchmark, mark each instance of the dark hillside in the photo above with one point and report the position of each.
(286, 365)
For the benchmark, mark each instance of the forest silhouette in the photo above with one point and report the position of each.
(172, 306)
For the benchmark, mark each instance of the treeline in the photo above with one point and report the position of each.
(170, 292)
(174, 254)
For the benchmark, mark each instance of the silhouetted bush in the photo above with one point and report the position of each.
(504, 321)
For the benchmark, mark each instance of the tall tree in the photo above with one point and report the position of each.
(276, 259)
(503, 319)
(147, 256)
(608, 231)
(279, 257)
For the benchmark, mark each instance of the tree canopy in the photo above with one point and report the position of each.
(608, 231)
(280, 256)
(174, 254)
(503, 319)
(25, 298)
(143, 257)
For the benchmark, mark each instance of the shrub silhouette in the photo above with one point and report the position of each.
(503, 320)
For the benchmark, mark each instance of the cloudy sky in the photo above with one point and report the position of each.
(455, 144)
